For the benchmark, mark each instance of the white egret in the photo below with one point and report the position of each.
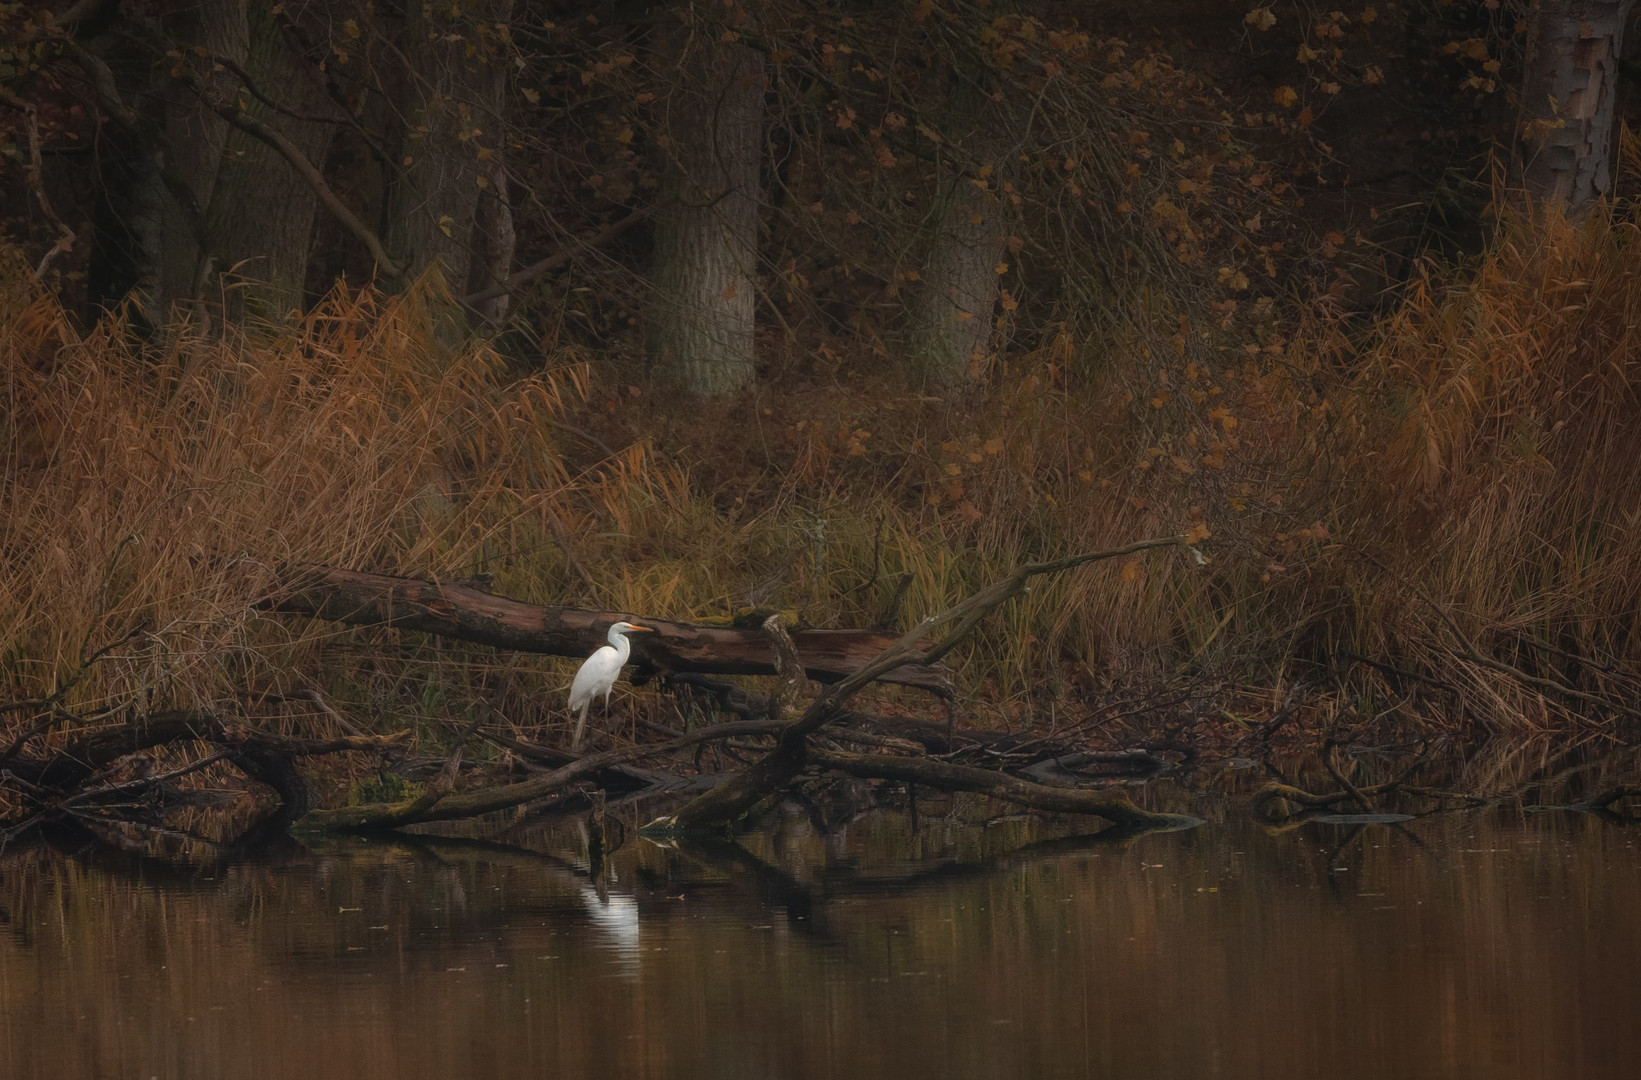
(599, 672)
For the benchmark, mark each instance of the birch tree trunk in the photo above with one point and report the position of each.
(700, 319)
(1564, 134)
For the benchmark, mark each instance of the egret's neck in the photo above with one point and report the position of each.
(623, 647)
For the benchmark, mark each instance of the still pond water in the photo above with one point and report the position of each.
(1491, 944)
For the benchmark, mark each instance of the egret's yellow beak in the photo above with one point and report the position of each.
(645, 629)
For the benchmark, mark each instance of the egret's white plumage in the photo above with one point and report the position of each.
(599, 672)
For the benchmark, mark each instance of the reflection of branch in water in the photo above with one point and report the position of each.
(1601, 805)
(1267, 804)
(1350, 838)
(615, 914)
(1605, 799)
(806, 905)
(773, 886)
(852, 883)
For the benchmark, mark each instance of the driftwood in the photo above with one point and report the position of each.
(507, 623)
(736, 796)
(434, 805)
(83, 757)
(96, 766)
(72, 778)
(469, 614)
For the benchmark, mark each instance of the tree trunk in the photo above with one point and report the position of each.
(950, 321)
(127, 242)
(494, 242)
(259, 220)
(196, 136)
(701, 316)
(450, 135)
(1564, 134)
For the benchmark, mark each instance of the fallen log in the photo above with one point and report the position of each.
(82, 757)
(88, 753)
(469, 614)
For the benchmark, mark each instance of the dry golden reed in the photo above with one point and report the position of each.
(154, 489)
(1434, 520)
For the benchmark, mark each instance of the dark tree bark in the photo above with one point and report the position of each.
(700, 319)
(450, 138)
(260, 216)
(127, 243)
(185, 195)
(1564, 134)
(494, 243)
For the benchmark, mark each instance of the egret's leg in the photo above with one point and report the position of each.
(580, 725)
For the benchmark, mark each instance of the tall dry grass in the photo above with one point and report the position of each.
(152, 490)
(1492, 489)
(1433, 521)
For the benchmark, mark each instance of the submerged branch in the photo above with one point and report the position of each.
(436, 806)
(733, 798)
(946, 777)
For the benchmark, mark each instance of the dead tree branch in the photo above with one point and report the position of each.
(520, 278)
(1118, 809)
(433, 806)
(35, 175)
(733, 798)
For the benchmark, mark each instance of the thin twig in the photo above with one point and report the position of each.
(35, 175)
(521, 278)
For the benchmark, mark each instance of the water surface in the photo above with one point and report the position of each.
(1492, 944)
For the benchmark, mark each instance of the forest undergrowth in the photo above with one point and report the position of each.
(1424, 524)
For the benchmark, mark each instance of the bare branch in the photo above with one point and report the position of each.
(740, 793)
(35, 175)
(306, 169)
(521, 278)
